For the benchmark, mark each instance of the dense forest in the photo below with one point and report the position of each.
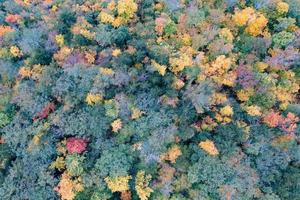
(149, 99)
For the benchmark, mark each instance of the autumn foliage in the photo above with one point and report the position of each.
(76, 145)
(149, 99)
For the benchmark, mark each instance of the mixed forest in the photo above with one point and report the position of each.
(149, 99)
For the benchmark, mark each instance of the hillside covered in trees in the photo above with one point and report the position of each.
(149, 99)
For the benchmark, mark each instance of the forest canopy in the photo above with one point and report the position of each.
(149, 99)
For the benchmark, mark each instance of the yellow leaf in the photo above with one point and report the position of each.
(127, 8)
(253, 110)
(282, 7)
(141, 185)
(106, 71)
(241, 17)
(15, 51)
(106, 18)
(59, 163)
(256, 25)
(92, 99)
(209, 147)
(116, 52)
(25, 72)
(226, 111)
(136, 113)
(59, 39)
(172, 154)
(161, 69)
(116, 125)
(118, 184)
(68, 188)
